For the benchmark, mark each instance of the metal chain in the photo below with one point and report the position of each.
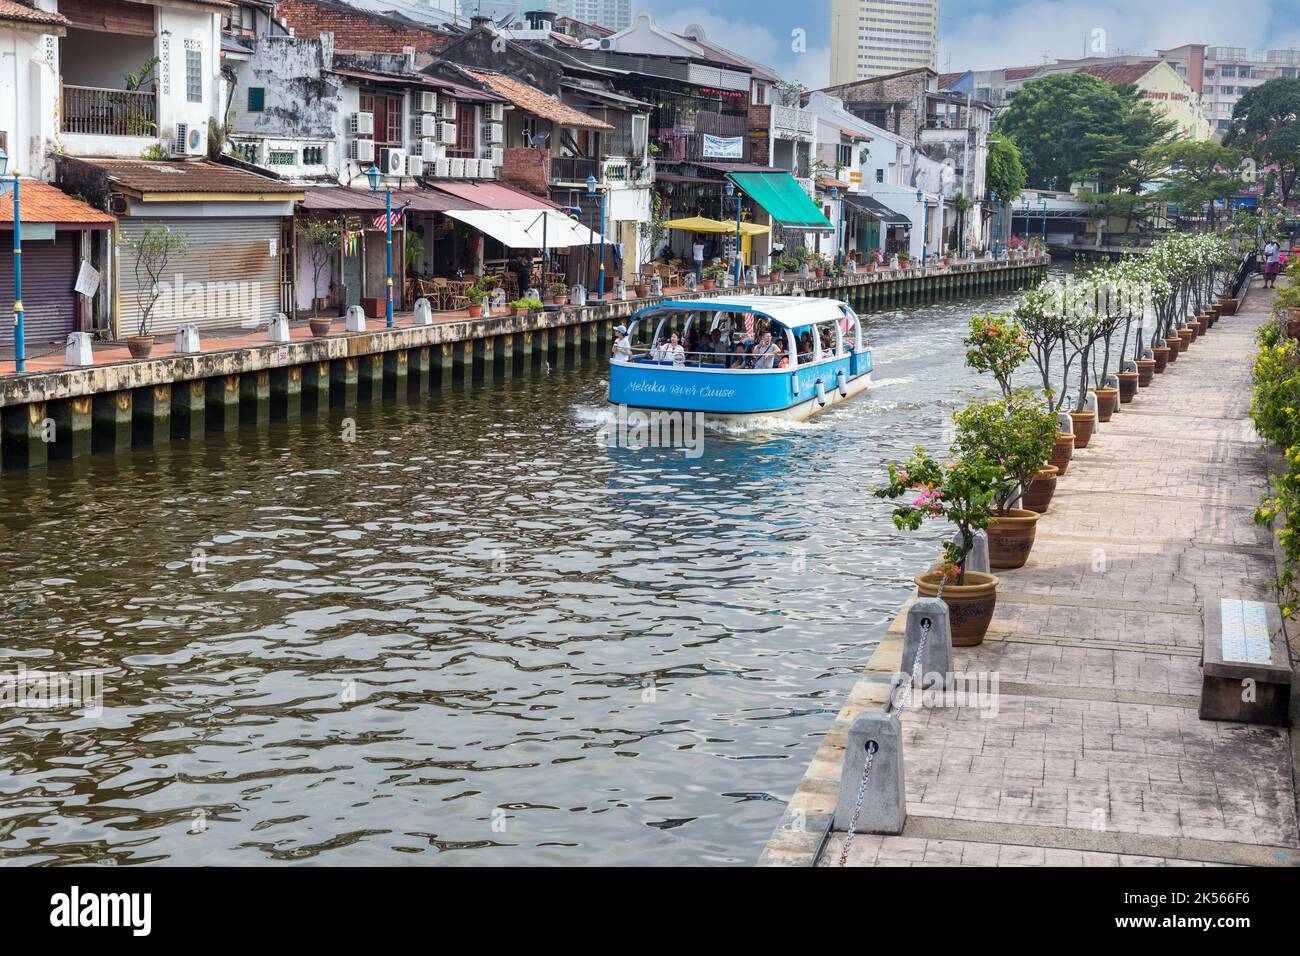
(873, 747)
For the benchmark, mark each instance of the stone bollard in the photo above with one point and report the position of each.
(278, 330)
(187, 339)
(938, 645)
(1112, 381)
(728, 280)
(851, 267)
(688, 283)
(620, 291)
(751, 275)
(533, 293)
(804, 271)
(1064, 423)
(978, 559)
(1090, 407)
(423, 312)
(884, 805)
(355, 320)
(578, 295)
(78, 351)
(498, 298)
(656, 284)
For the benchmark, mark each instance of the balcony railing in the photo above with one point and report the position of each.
(89, 109)
(574, 169)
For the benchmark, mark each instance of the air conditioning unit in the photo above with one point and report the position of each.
(471, 168)
(496, 112)
(414, 166)
(442, 168)
(118, 204)
(496, 132)
(447, 133)
(426, 149)
(423, 125)
(457, 169)
(486, 169)
(392, 162)
(189, 140)
(362, 124)
(362, 150)
(447, 109)
(428, 101)
(498, 155)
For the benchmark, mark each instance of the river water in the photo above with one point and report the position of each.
(472, 634)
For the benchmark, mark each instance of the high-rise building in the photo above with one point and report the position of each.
(1223, 74)
(613, 15)
(877, 37)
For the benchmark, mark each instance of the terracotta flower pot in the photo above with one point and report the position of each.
(1146, 372)
(1202, 324)
(475, 311)
(560, 299)
(708, 283)
(1194, 328)
(1128, 386)
(139, 345)
(1293, 323)
(1085, 423)
(1062, 452)
(1229, 306)
(1175, 343)
(641, 289)
(1161, 359)
(1107, 399)
(1185, 339)
(1038, 495)
(970, 605)
(1011, 538)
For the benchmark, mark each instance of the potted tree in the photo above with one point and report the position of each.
(478, 294)
(559, 293)
(1047, 327)
(322, 237)
(963, 493)
(151, 251)
(1017, 433)
(711, 274)
(873, 260)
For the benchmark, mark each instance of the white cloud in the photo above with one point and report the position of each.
(755, 41)
(1024, 32)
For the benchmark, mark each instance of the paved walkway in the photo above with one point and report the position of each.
(1096, 755)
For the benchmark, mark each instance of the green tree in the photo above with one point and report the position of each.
(1266, 126)
(1126, 156)
(1005, 175)
(1198, 173)
(1055, 121)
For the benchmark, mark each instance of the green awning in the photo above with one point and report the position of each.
(783, 199)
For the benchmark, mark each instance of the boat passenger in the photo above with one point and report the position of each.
(673, 351)
(766, 352)
(622, 344)
(718, 347)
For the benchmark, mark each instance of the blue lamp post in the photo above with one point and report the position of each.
(376, 177)
(1043, 200)
(997, 225)
(731, 193)
(925, 236)
(593, 191)
(20, 350)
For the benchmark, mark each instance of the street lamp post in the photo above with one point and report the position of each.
(839, 228)
(997, 224)
(1044, 202)
(374, 175)
(20, 344)
(592, 192)
(925, 236)
(731, 193)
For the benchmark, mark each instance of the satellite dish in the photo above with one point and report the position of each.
(538, 139)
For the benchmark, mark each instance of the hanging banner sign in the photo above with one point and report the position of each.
(724, 147)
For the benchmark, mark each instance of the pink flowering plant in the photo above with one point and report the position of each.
(963, 492)
(997, 345)
(1016, 432)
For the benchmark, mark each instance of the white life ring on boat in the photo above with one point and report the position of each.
(821, 393)
(842, 383)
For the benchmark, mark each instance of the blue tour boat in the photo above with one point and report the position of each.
(821, 357)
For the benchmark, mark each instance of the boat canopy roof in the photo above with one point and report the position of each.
(791, 311)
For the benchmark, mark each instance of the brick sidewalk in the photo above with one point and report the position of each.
(1096, 755)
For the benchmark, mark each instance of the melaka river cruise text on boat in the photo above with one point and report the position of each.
(741, 356)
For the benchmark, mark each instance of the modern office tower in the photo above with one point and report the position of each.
(877, 37)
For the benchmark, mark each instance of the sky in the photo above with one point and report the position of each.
(984, 34)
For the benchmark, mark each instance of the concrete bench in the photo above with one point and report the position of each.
(1245, 664)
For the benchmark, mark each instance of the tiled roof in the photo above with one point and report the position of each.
(357, 29)
(948, 79)
(532, 100)
(163, 176)
(42, 202)
(1019, 72)
(11, 10)
(1122, 73)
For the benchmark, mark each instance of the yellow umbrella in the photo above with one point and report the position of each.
(703, 224)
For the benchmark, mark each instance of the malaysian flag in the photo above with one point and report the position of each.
(380, 224)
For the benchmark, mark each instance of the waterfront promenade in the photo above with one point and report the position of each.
(1096, 755)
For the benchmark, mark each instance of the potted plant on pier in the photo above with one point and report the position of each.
(525, 305)
(478, 294)
(962, 492)
(1048, 327)
(711, 274)
(818, 264)
(873, 260)
(1017, 433)
(322, 237)
(904, 259)
(151, 251)
(559, 293)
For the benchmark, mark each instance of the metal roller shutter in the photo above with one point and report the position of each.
(49, 274)
(227, 279)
